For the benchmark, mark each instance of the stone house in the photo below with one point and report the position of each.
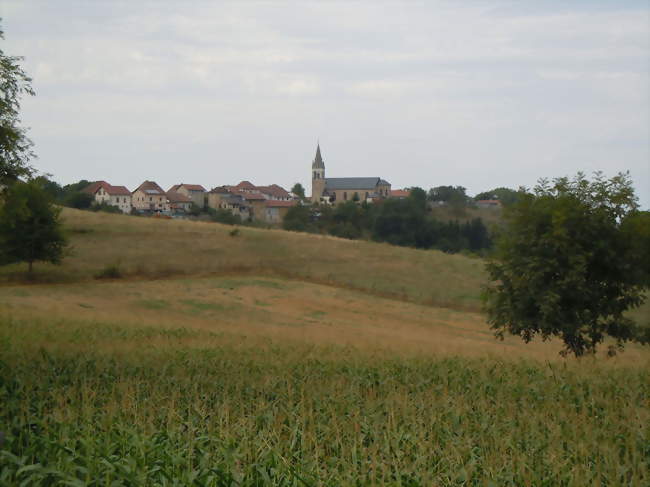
(179, 203)
(276, 210)
(150, 198)
(103, 192)
(275, 192)
(195, 192)
(222, 198)
(340, 190)
(257, 205)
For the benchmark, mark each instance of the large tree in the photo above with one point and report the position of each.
(565, 265)
(15, 147)
(30, 227)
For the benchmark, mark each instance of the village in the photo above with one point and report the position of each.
(267, 204)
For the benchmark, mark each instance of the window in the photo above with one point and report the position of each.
(367, 195)
(345, 195)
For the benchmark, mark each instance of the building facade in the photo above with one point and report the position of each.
(118, 196)
(150, 198)
(340, 190)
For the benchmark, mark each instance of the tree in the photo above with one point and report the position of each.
(30, 228)
(15, 147)
(506, 196)
(564, 266)
(79, 200)
(298, 190)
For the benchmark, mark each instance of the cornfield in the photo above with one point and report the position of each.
(98, 406)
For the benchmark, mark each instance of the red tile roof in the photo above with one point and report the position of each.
(245, 185)
(94, 187)
(399, 193)
(175, 197)
(150, 186)
(280, 204)
(275, 191)
(489, 202)
(119, 191)
(112, 190)
(189, 187)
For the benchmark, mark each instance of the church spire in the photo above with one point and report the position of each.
(318, 160)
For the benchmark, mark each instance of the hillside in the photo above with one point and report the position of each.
(275, 358)
(154, 248)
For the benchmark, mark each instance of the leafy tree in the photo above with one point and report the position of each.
(297, 218)
(222, 215)
(105, 207)
(30, 228)
(565, 265)
(298, 190)
(506, 196)
(79, 200)
(448, 194)
(15, 147)
(52, 188)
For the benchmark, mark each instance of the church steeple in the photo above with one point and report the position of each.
(318, 160)
(318, 180)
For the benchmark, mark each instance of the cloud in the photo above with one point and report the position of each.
(448, 92)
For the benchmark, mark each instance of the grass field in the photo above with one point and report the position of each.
(274, 358)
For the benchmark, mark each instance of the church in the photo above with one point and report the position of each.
(340, 190)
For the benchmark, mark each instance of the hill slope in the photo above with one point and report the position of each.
(153, 248)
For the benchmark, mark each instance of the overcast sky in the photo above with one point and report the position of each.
(474, 93)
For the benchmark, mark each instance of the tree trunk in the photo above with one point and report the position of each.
(30, 268)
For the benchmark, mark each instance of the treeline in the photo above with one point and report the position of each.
(405, 222)
(72, 195)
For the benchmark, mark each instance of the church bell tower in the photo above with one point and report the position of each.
(317, 176)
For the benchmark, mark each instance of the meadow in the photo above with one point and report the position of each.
(273, 358)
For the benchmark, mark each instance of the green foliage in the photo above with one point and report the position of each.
(15, 147)
(298, 190)
(30, 228)
(110, 271)
(105, 207)
(301, 415)
(79, 200)
(404, 222)
(221, 215)
(565, 264)
(506, 196)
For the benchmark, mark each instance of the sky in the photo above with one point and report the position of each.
(479, 94)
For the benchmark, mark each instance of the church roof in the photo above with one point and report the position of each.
(351, 183)
(318, 160)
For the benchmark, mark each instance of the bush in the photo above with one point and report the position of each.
(111, 271)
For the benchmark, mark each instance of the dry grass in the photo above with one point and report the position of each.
(153, 248)
(274, 309)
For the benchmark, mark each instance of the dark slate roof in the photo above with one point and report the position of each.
(351, 183)
(318, 160)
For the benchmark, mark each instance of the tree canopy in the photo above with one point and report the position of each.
(30, 228)
(15, 146)
(565, 264)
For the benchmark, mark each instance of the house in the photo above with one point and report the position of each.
(257, 205)
(275, 192)
(195, 192)
(222, 198)
(494, 204)
(399, 194)
(339, 190)
(150, 198)
(179, 204)
(245, 187)
(103, 192)
(276, 210)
